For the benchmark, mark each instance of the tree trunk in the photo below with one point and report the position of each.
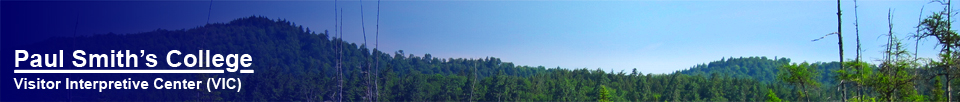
(803, 88)
(840, 36)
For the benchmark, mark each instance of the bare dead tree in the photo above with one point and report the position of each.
(856, 25)
(376, 47)
(840, 43)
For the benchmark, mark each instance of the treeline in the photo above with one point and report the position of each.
(759, 68)
(770, 72)
(560, 84)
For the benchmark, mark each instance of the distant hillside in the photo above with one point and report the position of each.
(759, 68)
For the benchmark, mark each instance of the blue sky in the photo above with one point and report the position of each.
(652, 36)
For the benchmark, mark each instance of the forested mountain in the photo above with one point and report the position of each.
(759, 68)
(295, 63)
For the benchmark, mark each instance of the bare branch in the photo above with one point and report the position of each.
(824, 36)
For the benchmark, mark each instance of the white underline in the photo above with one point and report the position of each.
(246, 71)
(119, 71)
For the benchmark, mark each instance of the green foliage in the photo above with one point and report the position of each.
(895, 79)
(859, 73)
(938, 93)
(915, 97)
(862, 99)
(801, 75)
(604, 94)
(772, 97)
(936, 25)
(760, 68)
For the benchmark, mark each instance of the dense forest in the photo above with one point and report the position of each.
(298, 64)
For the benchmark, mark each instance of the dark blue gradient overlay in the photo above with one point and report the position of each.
(44, 27)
